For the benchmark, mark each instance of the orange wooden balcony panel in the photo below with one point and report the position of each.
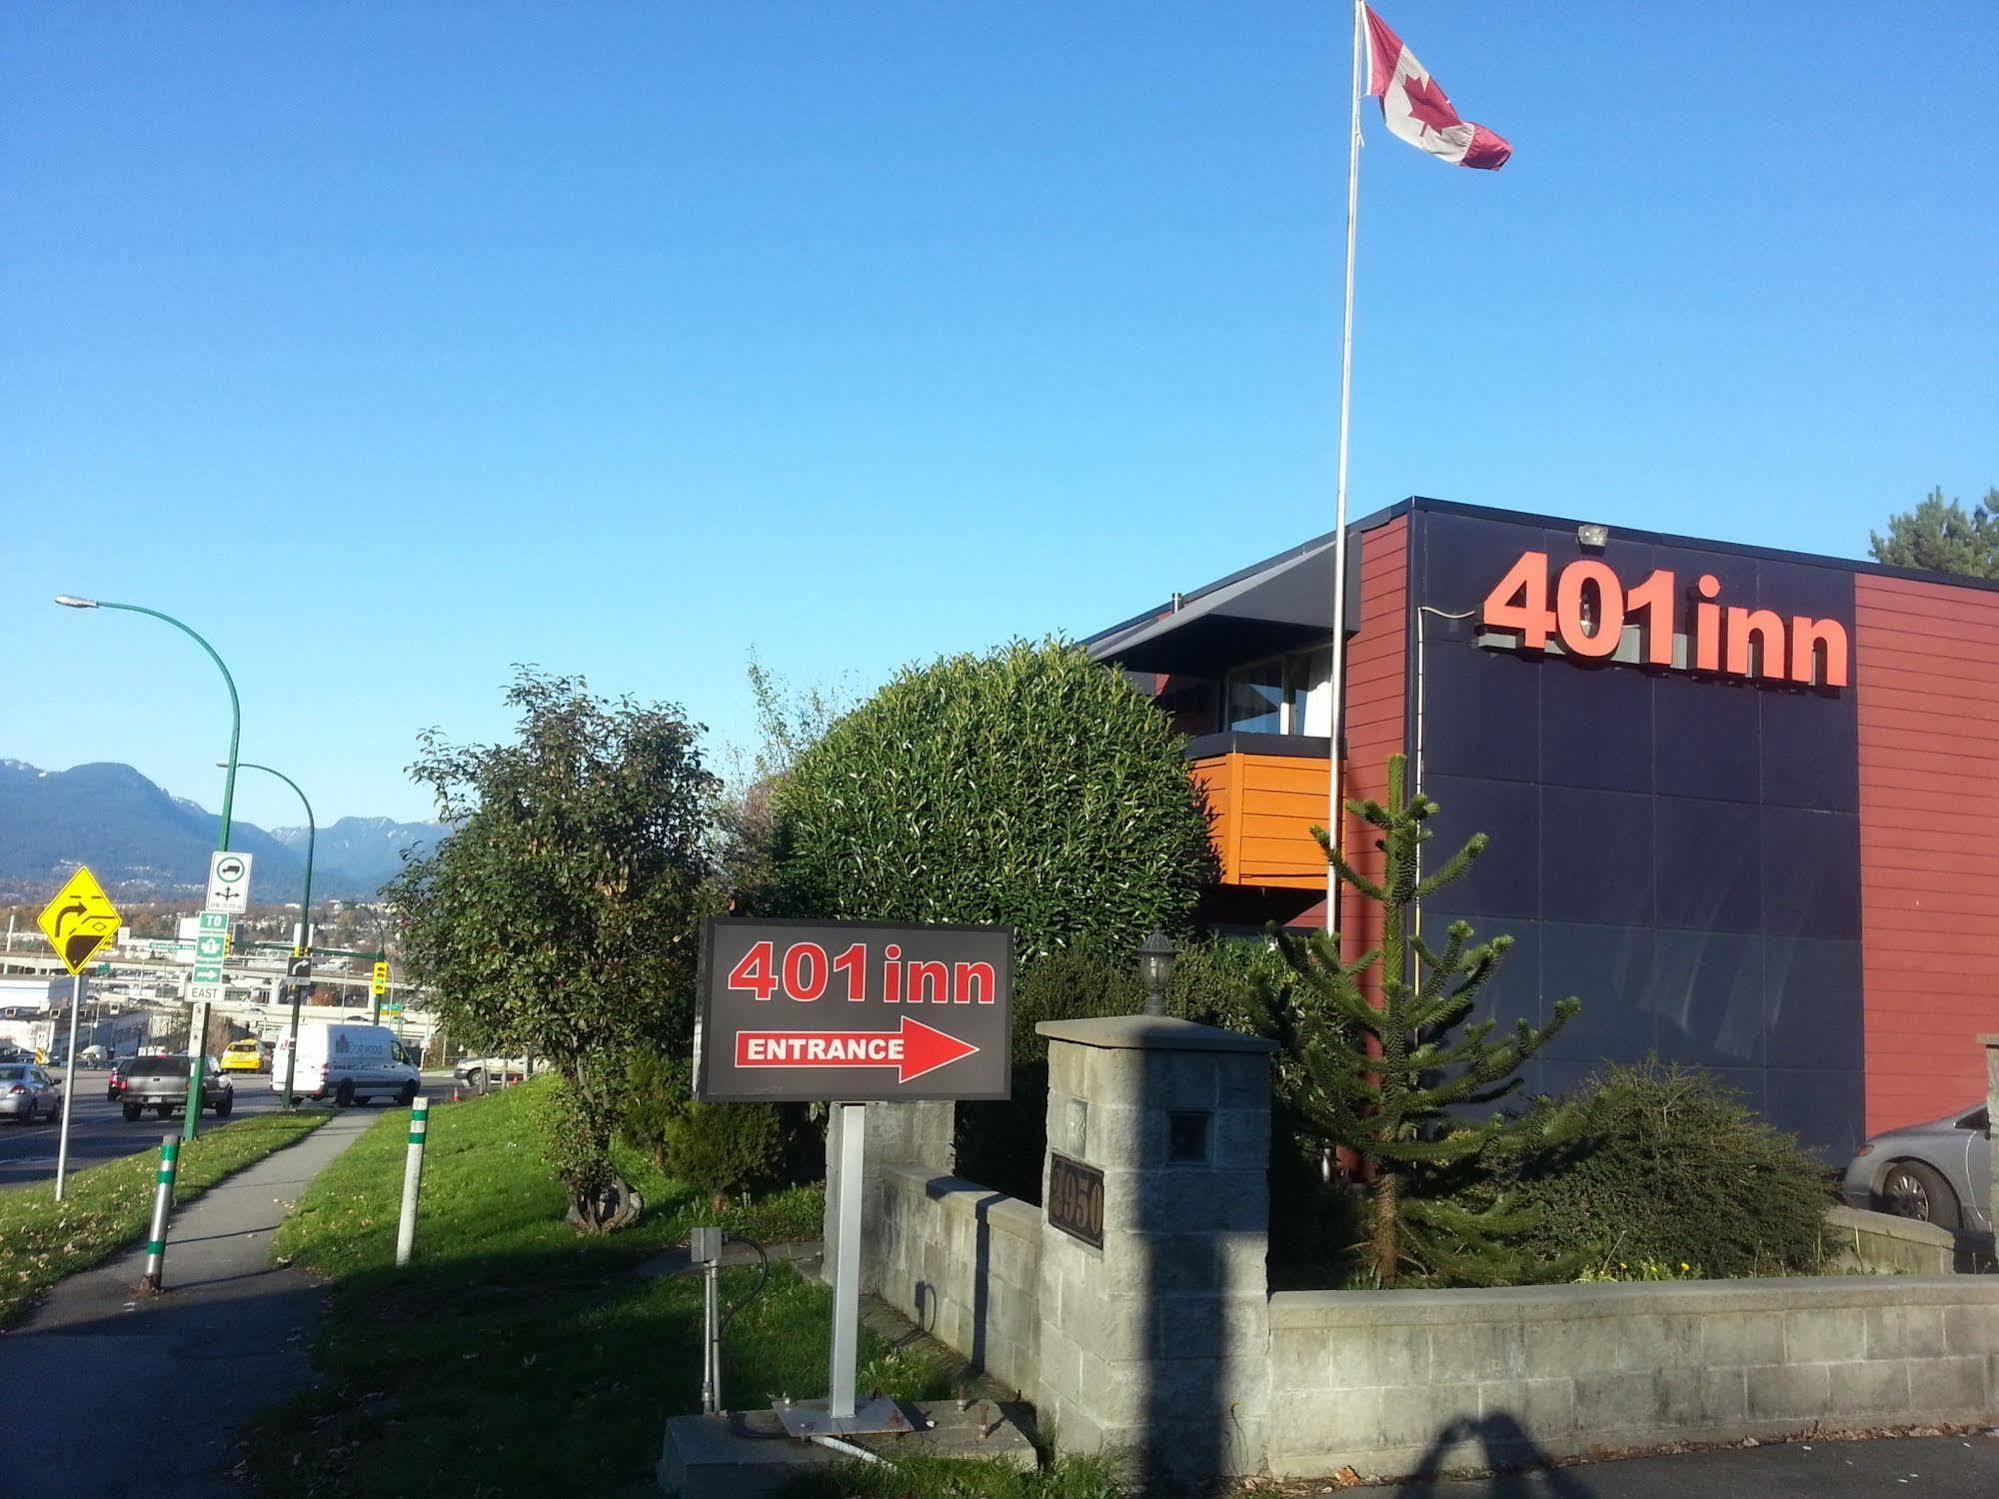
(1262, 809)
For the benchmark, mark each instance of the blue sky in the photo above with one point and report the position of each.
(393, 344)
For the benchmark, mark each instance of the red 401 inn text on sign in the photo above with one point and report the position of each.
(853, 1011)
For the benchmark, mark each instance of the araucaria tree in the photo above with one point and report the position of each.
(560, 915)
(1399, 1077)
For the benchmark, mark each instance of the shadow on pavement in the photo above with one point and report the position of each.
(1521, 1468)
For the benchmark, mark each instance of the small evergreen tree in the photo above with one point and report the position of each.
(1941, 536)
(1383, 1079)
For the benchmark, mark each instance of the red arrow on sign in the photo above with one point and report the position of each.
(913, 1050)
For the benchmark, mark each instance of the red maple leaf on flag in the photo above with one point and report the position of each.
(1427, 103)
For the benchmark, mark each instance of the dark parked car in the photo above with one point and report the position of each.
(159, 1083)
(1938, 1172)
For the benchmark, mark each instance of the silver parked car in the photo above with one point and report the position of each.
(1940, 1172)
(27, 1093)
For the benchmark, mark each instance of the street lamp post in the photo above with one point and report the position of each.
(304, 946)
(191, 1125)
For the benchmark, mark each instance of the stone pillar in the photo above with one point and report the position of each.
(1991, 1045)
(1157, 1342)
(899, 1134)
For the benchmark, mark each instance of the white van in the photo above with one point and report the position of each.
(347, 1062)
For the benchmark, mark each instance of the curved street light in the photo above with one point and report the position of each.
(191, 1125)
(304, 947)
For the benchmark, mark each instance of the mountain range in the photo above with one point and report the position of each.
(140, 841)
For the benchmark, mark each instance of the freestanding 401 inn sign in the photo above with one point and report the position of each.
(850, 1013)
(853, 1012)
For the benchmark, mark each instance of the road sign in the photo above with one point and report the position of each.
(211, 945)
(379, 984)
(298, 966)
(80, 920)
(853, 1011)
(228, 883)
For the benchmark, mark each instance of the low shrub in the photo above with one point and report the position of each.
(1667, 1166)
(1079, 983)
(1224, 982)
(1318, 1236)
(1000, 1141)
(1231, 982)
(719, 1148)
(657, 1089)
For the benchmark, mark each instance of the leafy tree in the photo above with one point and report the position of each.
(1383, 1079)
(789, 721)
(559, 917)
(1030, 785)
(1941, 536)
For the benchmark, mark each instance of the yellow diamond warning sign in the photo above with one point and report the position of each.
(80, 920)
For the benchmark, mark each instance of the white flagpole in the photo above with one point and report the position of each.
(1336, 811)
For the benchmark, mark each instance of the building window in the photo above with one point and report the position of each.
(1308, 692)
(1256, 698)
(1288, 694)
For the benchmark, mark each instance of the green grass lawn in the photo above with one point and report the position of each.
(107, 1207)
(933, 1478)
(515, 1356)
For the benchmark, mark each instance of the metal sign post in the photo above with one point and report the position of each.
(847, 1265)
(79, 922)
(68, 1082)
(848, 1013)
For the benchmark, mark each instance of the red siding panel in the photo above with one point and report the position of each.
(1377, 662)
(1929, 841)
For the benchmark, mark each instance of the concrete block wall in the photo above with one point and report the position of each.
(1392, 1381)
(1166, 1345)
(1858, 1240)
(899, 1134)
(963, 1263)
(1155, 1344)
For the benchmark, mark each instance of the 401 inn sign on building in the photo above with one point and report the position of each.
(853, 1011)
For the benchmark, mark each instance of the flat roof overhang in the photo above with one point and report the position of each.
(1277, 606)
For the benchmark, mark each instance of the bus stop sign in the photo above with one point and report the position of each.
(853, 1012)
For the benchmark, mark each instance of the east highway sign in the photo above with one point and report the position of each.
(206, 984)
(843, 1011)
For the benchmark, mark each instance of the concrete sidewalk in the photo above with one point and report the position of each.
(1948, 1467)
(112, 1393)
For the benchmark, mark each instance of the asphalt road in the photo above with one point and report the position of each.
(98, 1131)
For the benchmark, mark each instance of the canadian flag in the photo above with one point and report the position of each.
(1416, 109)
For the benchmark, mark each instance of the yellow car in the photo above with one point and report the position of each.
(244, 1056)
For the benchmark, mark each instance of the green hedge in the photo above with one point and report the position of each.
(1667, 1166)
(1030, 786)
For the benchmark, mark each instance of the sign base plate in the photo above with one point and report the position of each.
(804, 1419)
